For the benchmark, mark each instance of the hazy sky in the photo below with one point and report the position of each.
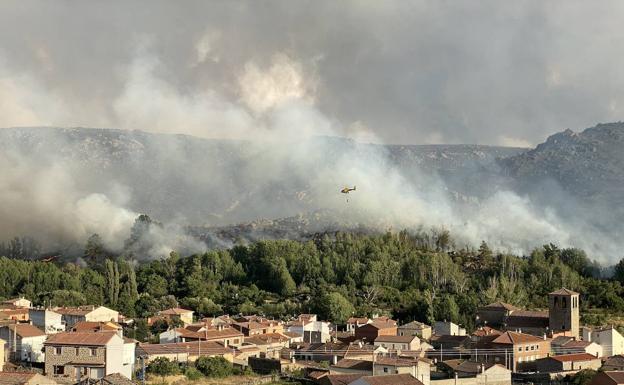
(491, 72)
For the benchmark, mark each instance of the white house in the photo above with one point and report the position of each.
(18, 302)
(608, 338)
(47, 320)
(312, 330)
(73, 315)
(24, 342)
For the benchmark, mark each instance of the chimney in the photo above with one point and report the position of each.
(334, 360)
(482, 368)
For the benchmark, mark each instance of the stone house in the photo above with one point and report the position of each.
(89, 355)
(355, 322)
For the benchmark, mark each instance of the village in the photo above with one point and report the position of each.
(85, 345)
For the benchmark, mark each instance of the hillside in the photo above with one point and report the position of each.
(221, 181)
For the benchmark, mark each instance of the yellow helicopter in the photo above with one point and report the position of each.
(347, 190)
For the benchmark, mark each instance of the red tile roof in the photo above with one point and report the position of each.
(391, 379)
(80, 338)
(175, 311)
(512, 338)
(574, 357)
(25, 330)
(347, 363)
(395, 339)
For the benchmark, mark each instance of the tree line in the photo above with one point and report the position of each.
(410, 276)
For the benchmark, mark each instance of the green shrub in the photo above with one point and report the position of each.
(193, 374)
(163, 367)
(214, 366)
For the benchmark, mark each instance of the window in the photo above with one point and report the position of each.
(77, 351)
(93, 351)
(520, 349)
(385, 369)
(57, 350)
(532, 347)
(563, 303)
(526, 349)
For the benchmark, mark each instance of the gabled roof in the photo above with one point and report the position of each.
(80, 338)
(574, 357)
(347, 363)
(528, 319)
(500, 305)
(266, 339)
(486, 331)
(89, 326)
(608, 378)
(339, 379)
(381, 325)
(394, 361)
(25, 330)
(512, 338)
(15, 378)
(175, 311)
(358, 320)
(414, 325)
(395, 339)
(391, 379)
(563, 291)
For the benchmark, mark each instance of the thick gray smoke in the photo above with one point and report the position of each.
(376, 72)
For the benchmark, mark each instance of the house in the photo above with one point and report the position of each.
(448, 342)
(310, 329)
(415, 328)
(398, 343)
(352, 366)
(176, 313)
(568, 362)
(371, 331)
(260, 326)
(89, 355)
(332, 352)
(517, 351)
(24, 342)
(614, 363)
(18, 302)
(47, 320)
(575, 346)
(17, 314)
(393, 379)
(444, 328)
(355, 322)
(494, 314)
(338, 379)
(226, 335)
(270, 345)
(73, 315)
(608, 338)
(89, 326)
(383, 318)
(418, 368)
(528, 322)
(608, 378)
(25, 378)
(184, 351)
(481, 372)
